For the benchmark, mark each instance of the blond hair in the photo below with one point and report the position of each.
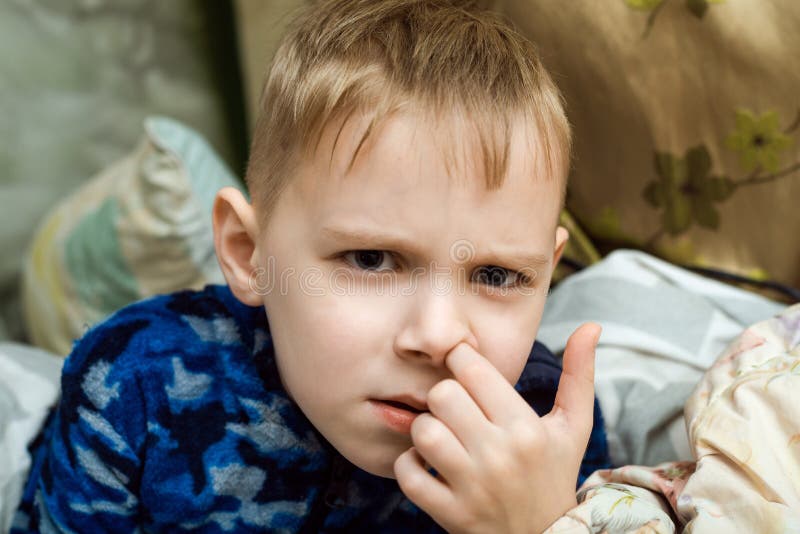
(376, 56)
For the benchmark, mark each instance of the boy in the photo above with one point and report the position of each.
(384, 291)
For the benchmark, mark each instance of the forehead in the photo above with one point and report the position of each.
(466, 146)
(419, 174)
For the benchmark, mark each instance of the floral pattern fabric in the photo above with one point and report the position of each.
(686, 124)
(744, 426)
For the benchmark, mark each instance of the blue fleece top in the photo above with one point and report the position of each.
(173, 419)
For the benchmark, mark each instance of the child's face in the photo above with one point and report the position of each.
(352, 328)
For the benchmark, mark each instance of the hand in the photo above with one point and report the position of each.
(500, 467)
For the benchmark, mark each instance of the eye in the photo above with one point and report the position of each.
(496, 276)
(370, 260)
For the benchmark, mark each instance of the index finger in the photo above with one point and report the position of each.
(496, 397)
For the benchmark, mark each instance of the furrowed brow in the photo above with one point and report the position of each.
(378, 240)
(365, 237)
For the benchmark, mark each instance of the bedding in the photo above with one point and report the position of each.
(663, 326)
(743, 420)
(29, 385)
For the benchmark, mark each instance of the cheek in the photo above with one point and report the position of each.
(337, 333)
(506, 339)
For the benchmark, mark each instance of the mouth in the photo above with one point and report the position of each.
(402, 406)
(396, 414)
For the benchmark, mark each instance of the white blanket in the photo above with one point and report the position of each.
(29, 385)
(663, 326)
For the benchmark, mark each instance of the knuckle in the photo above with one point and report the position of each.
(473, 372)
(474, 516)
(499, 467)
(399, 464)
(412, 484)
(426, 433)
(524, 438)
(469, 523)
(442, 391)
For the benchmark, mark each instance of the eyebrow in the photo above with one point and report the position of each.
(377, 240)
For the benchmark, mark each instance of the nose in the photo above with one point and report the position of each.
(434, 324)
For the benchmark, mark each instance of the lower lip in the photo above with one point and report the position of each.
(395, 418)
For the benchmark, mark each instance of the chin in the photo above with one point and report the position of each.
(381, 467)
(382, 471)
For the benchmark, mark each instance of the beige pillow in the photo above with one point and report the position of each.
(687, 125)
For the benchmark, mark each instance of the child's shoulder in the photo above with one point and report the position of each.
(145, 395)
(153, 332)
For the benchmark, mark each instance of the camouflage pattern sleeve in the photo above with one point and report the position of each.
(89, 480)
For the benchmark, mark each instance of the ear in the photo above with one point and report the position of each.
(562, 236)
(235, 233)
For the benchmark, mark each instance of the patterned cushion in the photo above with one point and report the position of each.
(78, 77)
(139, 228)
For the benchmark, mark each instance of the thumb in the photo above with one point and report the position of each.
(575, 396)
